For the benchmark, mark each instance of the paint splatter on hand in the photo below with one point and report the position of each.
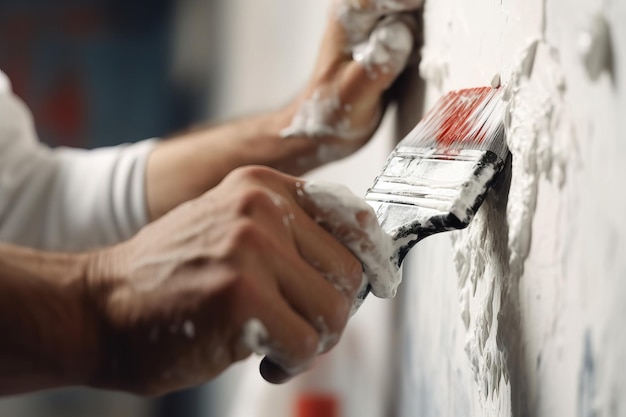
(366, 46)
(242, 269)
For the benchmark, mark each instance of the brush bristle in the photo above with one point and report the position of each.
(469, 119)
(445, 165)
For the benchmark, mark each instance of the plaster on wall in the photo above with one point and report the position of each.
(539, 279)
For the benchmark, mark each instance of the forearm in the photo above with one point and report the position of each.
(334, 115)
(48, 334)
(185, 167)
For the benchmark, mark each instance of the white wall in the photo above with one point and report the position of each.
(539, 278)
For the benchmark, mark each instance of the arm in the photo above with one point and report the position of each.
(244, 268)
(334, 115)
(47, 327)
(69, 199)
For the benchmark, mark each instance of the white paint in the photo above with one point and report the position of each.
(496, 81)
(326, 338)
(323, 115)
(360, 17)
(380, 46)
(387, 49)
(189, 329)
(255, 337)
(340, 208)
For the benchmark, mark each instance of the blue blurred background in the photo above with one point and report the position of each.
(98, 73)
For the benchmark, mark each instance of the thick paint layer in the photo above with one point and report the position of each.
(350, 215)
(492, 252)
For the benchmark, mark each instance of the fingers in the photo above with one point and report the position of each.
(366, 46)
(317, 277)
(281, 335)
(351, 220)
(322, 291)
(306, 241)
(359, 17)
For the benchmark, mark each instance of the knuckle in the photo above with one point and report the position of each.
(243, 233)
(252, 173)
(257, 198)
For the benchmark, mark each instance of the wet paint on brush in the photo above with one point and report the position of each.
(437, 177)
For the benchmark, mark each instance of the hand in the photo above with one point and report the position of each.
(244, 268)
(366, 46)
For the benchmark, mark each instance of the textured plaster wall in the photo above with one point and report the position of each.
(523, 313)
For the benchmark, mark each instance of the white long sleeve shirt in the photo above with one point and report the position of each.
(65, 199)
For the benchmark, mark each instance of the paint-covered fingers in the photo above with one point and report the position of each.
(352, 221)
(322, 282)
(312, 277)
(304, 317)
(358, 17)
(277, 332)
(366, 46)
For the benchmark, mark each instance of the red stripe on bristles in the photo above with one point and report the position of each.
(456, 110)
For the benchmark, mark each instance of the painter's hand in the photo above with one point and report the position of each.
(365, 47)
(243, 268)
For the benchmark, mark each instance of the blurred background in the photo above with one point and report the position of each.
(104, 72)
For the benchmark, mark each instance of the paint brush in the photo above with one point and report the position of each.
(439, 174)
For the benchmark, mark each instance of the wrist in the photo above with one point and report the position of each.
(44, 308)
(105, 273)
(294, 154)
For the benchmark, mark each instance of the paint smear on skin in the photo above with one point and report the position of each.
(359, 17)
(189, 329)
(490, 253)
(255, 337)
(341, 210)
(387, 49)
(326, 338)
(324, 115)
(379, 46)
